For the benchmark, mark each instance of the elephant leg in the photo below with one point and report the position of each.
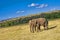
(30, 28)
(33, 29)
(45, 27)
(38, 27)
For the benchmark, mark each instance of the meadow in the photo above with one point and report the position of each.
(22, 32)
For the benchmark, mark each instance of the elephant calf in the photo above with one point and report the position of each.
(32, 24)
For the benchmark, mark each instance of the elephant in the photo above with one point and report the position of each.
(37, 23)
(32, 24)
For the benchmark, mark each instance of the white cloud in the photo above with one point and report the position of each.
(53, 9)
(32, 5)
(42, 6)
(38, 5)
(20, 12)
(46, 5)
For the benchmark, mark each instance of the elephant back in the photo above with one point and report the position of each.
(41, 21)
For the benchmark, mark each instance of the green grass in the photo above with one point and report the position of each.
(21, 32)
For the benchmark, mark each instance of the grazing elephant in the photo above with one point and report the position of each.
(36, 23)
(32, 24)
(42, 22)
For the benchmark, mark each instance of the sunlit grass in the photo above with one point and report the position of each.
(21, 32)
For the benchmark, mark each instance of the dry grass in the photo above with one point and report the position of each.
(21, 32)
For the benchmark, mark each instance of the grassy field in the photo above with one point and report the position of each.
(21, 32)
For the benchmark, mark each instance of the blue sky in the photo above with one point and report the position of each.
(17, 8)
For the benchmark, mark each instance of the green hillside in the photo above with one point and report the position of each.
(25, 19)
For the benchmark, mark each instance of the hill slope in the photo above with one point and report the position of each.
(21, 32)
(25, 19)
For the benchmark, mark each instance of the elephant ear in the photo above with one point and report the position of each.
(29, 21)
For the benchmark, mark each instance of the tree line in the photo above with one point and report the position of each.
(25, 19)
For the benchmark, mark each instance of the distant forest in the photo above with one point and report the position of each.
(25, 19)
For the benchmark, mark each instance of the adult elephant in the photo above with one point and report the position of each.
(42, 22)
(37, 23)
